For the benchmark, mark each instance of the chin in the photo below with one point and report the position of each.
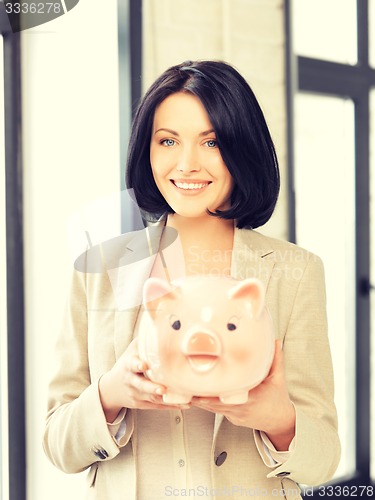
(184, 211)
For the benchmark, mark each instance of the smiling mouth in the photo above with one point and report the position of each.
(190, 186)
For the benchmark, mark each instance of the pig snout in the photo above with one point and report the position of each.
(202, 350)
(201, 343)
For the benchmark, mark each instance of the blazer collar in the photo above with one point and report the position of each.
(134, 266)
(253, 256)
(146, 241)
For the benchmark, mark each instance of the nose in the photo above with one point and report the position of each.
(188, 161)
(201, 343)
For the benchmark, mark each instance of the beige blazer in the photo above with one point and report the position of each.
(96, 332)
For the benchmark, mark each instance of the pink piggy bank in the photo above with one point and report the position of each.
(206, 336)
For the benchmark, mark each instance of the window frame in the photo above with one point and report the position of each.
(130, 27)
(14, 260)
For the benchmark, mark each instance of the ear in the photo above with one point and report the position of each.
(251, 290)
(153, 290)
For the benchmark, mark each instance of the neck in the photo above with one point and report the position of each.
(207, 230)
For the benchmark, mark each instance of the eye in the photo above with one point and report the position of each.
(168, 142)
(233, 324)
(211, 143)
(175, 322)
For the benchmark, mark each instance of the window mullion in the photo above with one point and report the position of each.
(362, 33)
(362, 296)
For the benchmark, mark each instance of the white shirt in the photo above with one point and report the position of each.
(174, 452)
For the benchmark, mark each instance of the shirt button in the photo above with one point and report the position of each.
(220, 459)
(181, 463)
(178, 420)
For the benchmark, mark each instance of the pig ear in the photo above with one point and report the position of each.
(251, 290)
(153, 289)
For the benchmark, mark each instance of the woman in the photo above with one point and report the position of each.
(202, 163)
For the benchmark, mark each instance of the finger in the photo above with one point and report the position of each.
(138, 366)
(146, 386)
(147, 399)
(133, 361)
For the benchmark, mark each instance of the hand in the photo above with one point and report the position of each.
(125, 386)
(268, 407)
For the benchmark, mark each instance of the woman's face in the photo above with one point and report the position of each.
(186, 162)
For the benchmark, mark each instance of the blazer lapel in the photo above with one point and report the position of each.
(134, 267)
(252, 256)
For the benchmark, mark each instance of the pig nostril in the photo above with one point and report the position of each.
(208, 340)
(202, 344)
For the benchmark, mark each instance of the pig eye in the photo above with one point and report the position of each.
(175, 322)
(232, 324)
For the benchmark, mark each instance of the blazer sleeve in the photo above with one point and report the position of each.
(309, 377)
(76, 433)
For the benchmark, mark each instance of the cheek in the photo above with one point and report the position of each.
(158, 178)
(229, 182)
(155, 162)
(153, 151)
(240, 349)
(242, 356)
(161, 158)
(155, 166)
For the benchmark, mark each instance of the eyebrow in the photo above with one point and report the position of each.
(173, 132)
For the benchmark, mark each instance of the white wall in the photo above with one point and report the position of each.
(71, 156)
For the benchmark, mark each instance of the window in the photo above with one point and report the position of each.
(334, 104)
(325, 222)
(335, 21)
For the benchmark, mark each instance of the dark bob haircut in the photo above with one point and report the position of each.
(242, 136)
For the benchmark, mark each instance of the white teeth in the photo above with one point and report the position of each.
(185, 185)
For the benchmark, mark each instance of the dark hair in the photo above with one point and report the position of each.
(242, 136)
